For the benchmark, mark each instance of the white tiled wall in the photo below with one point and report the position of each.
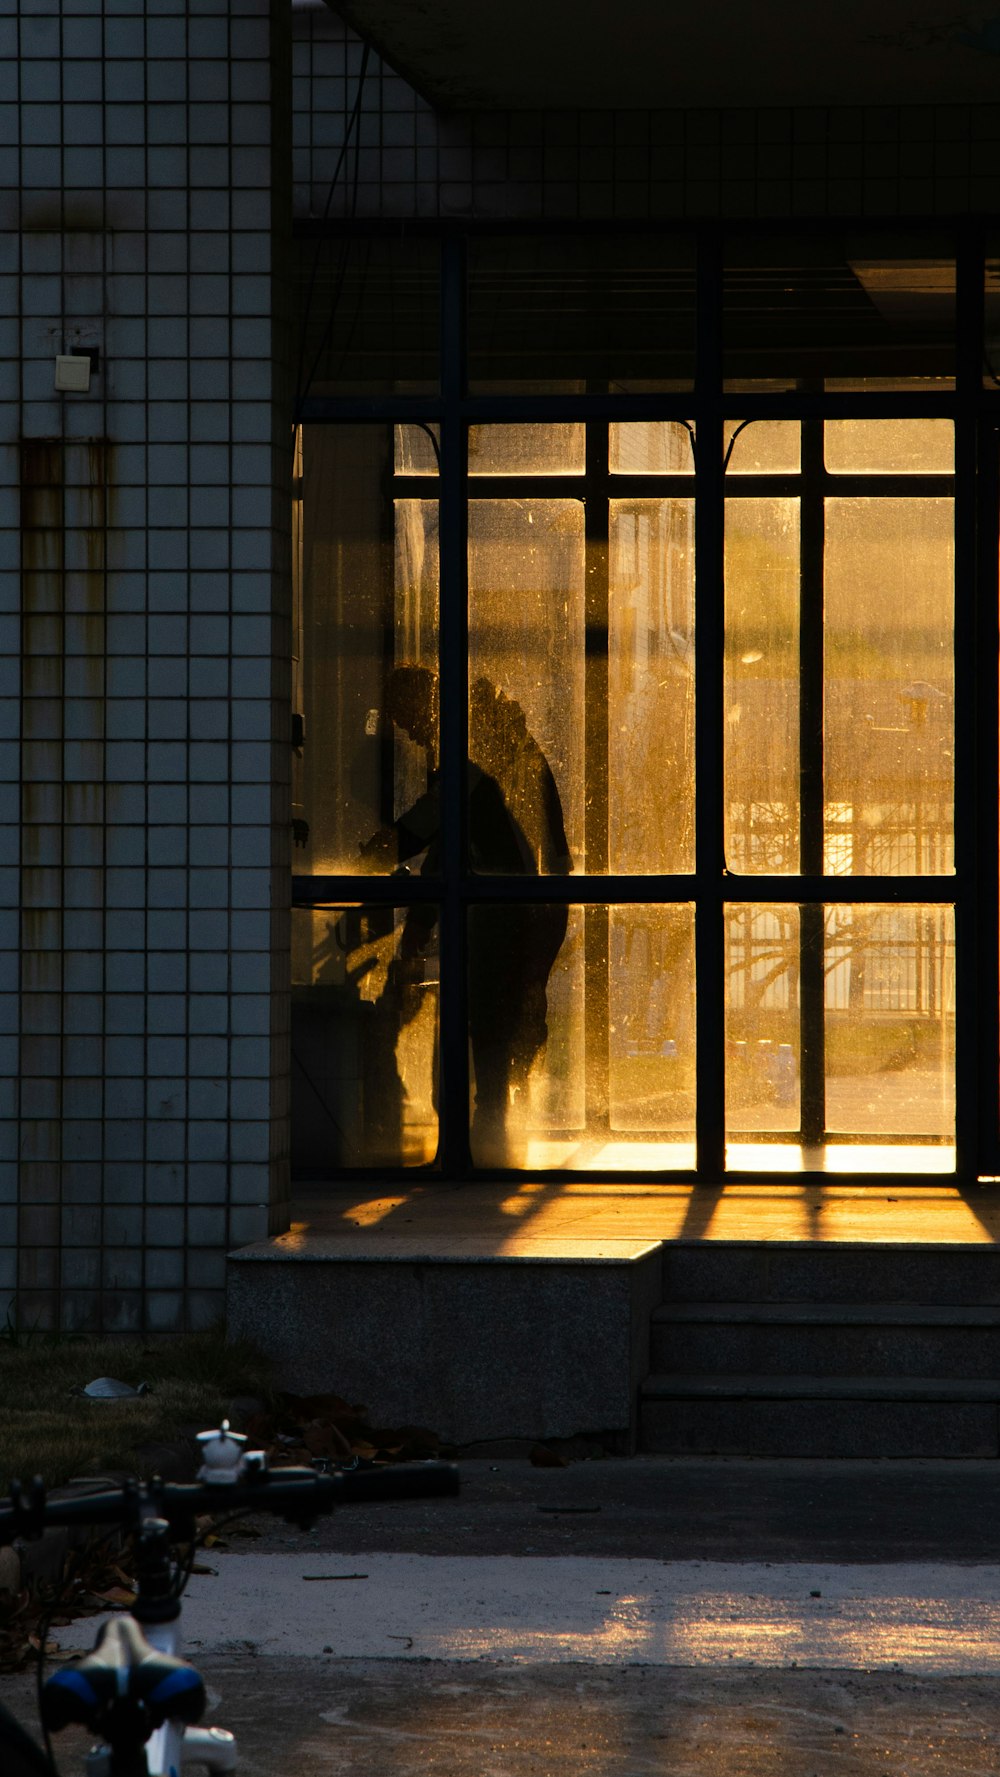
(142, 990)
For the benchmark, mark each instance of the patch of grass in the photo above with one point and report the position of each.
(47, 1429)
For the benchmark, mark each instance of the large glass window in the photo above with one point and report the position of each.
(609, 681)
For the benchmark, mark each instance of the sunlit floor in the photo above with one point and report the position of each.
(918, 1617)
(510, 1217)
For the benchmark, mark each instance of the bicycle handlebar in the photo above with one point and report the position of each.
(298, 1494)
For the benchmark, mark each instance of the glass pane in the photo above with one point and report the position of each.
(889, 687)
(889, 447)
(567, 314)
(890, 1022)
(762, 447)
(364, 1037)
(417, 450)
(650, 447)
(841, 311)
(530, 449)
(762, 1020)
(652, 1028)
(761, 685)
(526, 677)
(582, 1036)
(369, 609)
(651, 686)
(878, 1072)
(368, 314)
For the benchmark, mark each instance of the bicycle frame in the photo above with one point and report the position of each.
(134, 1687)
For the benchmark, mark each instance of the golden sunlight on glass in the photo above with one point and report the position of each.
(526, 684)
(527, 998)
(417, 450)
(890, 1022)
(762, 447)
(889, 686)
(651, 1027)
(762, 1021)
(889, 447)
(651, 447)
(365, 1034)
(761, 685)
(369, 606)
(528, 449)
(858, 1158)
(582, 1036)
(651, 686)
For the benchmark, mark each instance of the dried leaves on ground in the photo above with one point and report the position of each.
(306, 1428)
(95, 1577)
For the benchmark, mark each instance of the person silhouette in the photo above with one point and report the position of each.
(515, 827)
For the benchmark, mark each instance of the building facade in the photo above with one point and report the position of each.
(673, 419)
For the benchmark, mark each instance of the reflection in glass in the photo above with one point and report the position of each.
(364, 1037)
(652, 1024)
(762, 447)
(582, 1053)
(761, 685)
(651, 686)
(886, 1001)
(889, 447)
(889, 687)
(529, 449)
(650, 447)
(890, 1022)
(526, 642)
(762, 1020)
(512, 953)
(370, 603)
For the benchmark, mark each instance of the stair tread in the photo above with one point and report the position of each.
(902, 1314)
(664, 1386)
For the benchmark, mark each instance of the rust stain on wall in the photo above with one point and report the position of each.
(84, 804)
(41, 928)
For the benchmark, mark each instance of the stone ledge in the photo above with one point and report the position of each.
(444, 1249)
(477, 1338)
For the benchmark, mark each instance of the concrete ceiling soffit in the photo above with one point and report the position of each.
(659, 54)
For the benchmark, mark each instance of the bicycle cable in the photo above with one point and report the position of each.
(46, 1624)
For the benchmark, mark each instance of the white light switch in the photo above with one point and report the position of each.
(73, 374)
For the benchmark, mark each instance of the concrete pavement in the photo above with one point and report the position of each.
(620, 1618)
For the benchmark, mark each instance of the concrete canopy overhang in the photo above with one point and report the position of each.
(659, 54)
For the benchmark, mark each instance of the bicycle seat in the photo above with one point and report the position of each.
(123, 1687)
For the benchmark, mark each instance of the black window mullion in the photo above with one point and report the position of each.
(596, 810)
(975, 715)
(454, 642)
(978, 975)
(812, 1031)
(710, 872)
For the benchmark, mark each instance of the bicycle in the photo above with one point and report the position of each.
(133, 1689)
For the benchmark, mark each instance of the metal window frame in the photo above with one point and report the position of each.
(973, 889)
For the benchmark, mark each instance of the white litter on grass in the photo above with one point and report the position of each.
(108, 1388)
(919, 1618)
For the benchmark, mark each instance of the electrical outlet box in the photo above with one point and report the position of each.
(73, 374)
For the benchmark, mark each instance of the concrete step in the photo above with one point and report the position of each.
(807, 1415)
(528, 1337)
(806, 1271)
(826, 1339)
